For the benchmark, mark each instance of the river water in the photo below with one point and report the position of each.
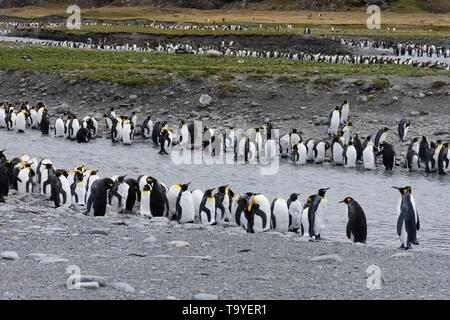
(372, 189)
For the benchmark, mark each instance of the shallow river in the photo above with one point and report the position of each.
(372, 189)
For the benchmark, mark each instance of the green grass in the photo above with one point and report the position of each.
(161, 68)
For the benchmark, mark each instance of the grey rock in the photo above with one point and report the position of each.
(402, 255)
(329, 257)
(205, 100)
(194, 114)
(150, 239)
(9, 255)
(98, 231)
(132, 97)
(123, 286)
(205, 296)
(363, 98)
(414, 113)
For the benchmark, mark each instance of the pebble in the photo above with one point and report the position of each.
(99, 232)
(178, 243)
(402, 255)
(9, 255)
(205, 296)
(329, 257)
(150, 239)
(123, 286)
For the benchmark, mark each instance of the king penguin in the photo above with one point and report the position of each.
(279, 215)
(185, 205)
(407, 218)
(207, 208)
(316, 220)
(403, 127)
(356, 225)
(295, 212)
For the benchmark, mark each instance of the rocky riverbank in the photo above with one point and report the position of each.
(131, 257)
(246, 103)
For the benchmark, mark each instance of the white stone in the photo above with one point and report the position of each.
(10, 255)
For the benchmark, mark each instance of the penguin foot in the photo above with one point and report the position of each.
(415, 242)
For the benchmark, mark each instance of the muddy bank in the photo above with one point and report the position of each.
(244, 41)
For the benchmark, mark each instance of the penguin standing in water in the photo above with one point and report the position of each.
(381, 136)
(45, 123)
(207, 208)
(337, 151)
(414, 145)
(316, 220)
(295, 212)
(369, 156)
(21, 121)
(156, 132)
(387, 150)
(310, 143)
(412, 160)
(116, 130)
(358, 147)
(270, 146)
(279, 215)
(144, 207)
(159, 204)
(258, 214)
(284, 145)
(350, 155)
(356, 225)
(335, 121)
(407, 218)
(83, 135)
(423, 148)
(128, 133)
(165, 140)
(59, 127)
(299, 153)
(320, 150)
(403, 127)
(99, 196)
(147, 127)
(185, 205)
(443, 159)
(184, 134)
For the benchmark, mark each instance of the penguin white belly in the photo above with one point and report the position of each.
(20, 122)
(351, 157)
(127, 138)
(241, 147)
(122, 190)
(270, 149)
(310, 151)
(320, 155)
(295, 212)
(334, 123)
(258, 142)
(80, 191)
(75, 128)
(284, 146)
(211, 206)
(252, 151)
(66, 188)
(187, 207)
(172, 196)
(59, 128)
(24, 181)
(403, 235)
(2, 119)
(305, 222)
(302, 154)
(89, 182)
(319, 221)
(264, 206)
(295, 138)
(144, 207)
(185, 137)
(405, 132)
(281, 216)
(369, 158)
(197, 196)
(337, 154)
(344, 114)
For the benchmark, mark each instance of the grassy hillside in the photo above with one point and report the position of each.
(399, 6)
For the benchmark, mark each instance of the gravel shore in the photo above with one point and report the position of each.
(131, 257)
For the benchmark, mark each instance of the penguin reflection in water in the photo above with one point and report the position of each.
(356, 225)
(407, 218)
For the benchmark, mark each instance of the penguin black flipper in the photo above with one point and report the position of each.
(273, 220)
(349, 230)
(263, 217)
(400, 220)
(178, 207)
(312, 216)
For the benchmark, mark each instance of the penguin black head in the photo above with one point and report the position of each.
(121, 179)
(414, 140)
(385, 129)
(269, 124)
(294, 196)
(2, 156)
(256, 129)
(185, 186)
(349, 124)
(48, 166)
(222, 189)
(146, 187)
(346, 200)
(407, 123)
(322, 192)
(109, 183)
(58, 174)
(183, 122)
(402, 190)
(208, 192)
(336, 108)
(206, 128)
(294, 130)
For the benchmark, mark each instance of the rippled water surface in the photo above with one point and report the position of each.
(372, 189)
